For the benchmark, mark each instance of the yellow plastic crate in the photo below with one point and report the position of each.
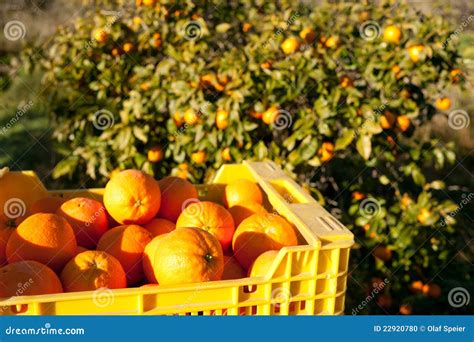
(308, 279)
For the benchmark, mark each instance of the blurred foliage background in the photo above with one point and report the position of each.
(235, 73)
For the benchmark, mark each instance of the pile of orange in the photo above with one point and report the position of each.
(143, 232)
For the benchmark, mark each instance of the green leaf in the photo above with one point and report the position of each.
(364, 146)
(345, 139)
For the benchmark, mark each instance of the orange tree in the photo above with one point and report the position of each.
(335, 94)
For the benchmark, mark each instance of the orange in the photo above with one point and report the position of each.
(128, 47)
(182, 171)
(332, 42)
(222, 119)
(242, 191)
(28, 278)
(416, 52)
(87, 217)
(443, 103)
(246, 27)
(405, 309)
(159, 226)
(7, 226)
(395, 69)
(387, 120)
(225, 154)
(92, 270)
(232, 269)
(18, 193)
(456, 75)
(357, 195)
(186, 255)
(100, 35)
(265, 65)
(149, 3)
(262, 264)
(115, 52)
(191, 117)
(383, 253)
(392, 34)
(199, 157)
(155, 154)
(210, 217)
(47, 205)
(178, 118)
(149, 259)
(416, 286)
(326, 152)
(290, 45)
(431, 290)
(127, 243)
(175, 194)
(46, 238)
(132, 197)
(346, 82)
(243, 210)
(260, 233)
(270, 115)
(308, 35)
(406, 200)
(403, 122)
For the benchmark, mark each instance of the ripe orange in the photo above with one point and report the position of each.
(416, 52)
(159, 226)
(290, 45)
(149, 3)
(128, 47)
(392, 34)
(387, 120)
(416, 286)
(403, 122)
(262, 264)
(28, 278)
(265, 65)
(232, 269)
(191, 117)
(127, 243)
(155, 154)
(47, 205)
(222, 119)
(431, 290)
(46, 238)
(132, 197)
(357, 195)
(7, 226)
(443, 103)
(270, 115)
(175, 194)
(210, 217)
(326, 152)
(242, 191)
(395, 69)
(406, 200)
(100, 35)
(149, 259)
(92, 270)
(87, 217)
(18, 193)
(225, 154)
(383, 253)
(243, 210)
(260, 233)
(405, 309)
(199, 157)
(186, 255)
(246, 27)
(423, 216)
(332, 42)
(456, 75)
(183, 171)
(178, 118)
(308, 35)
(346, 82)
(115, 52)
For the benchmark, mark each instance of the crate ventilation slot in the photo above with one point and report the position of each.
(330, 223)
